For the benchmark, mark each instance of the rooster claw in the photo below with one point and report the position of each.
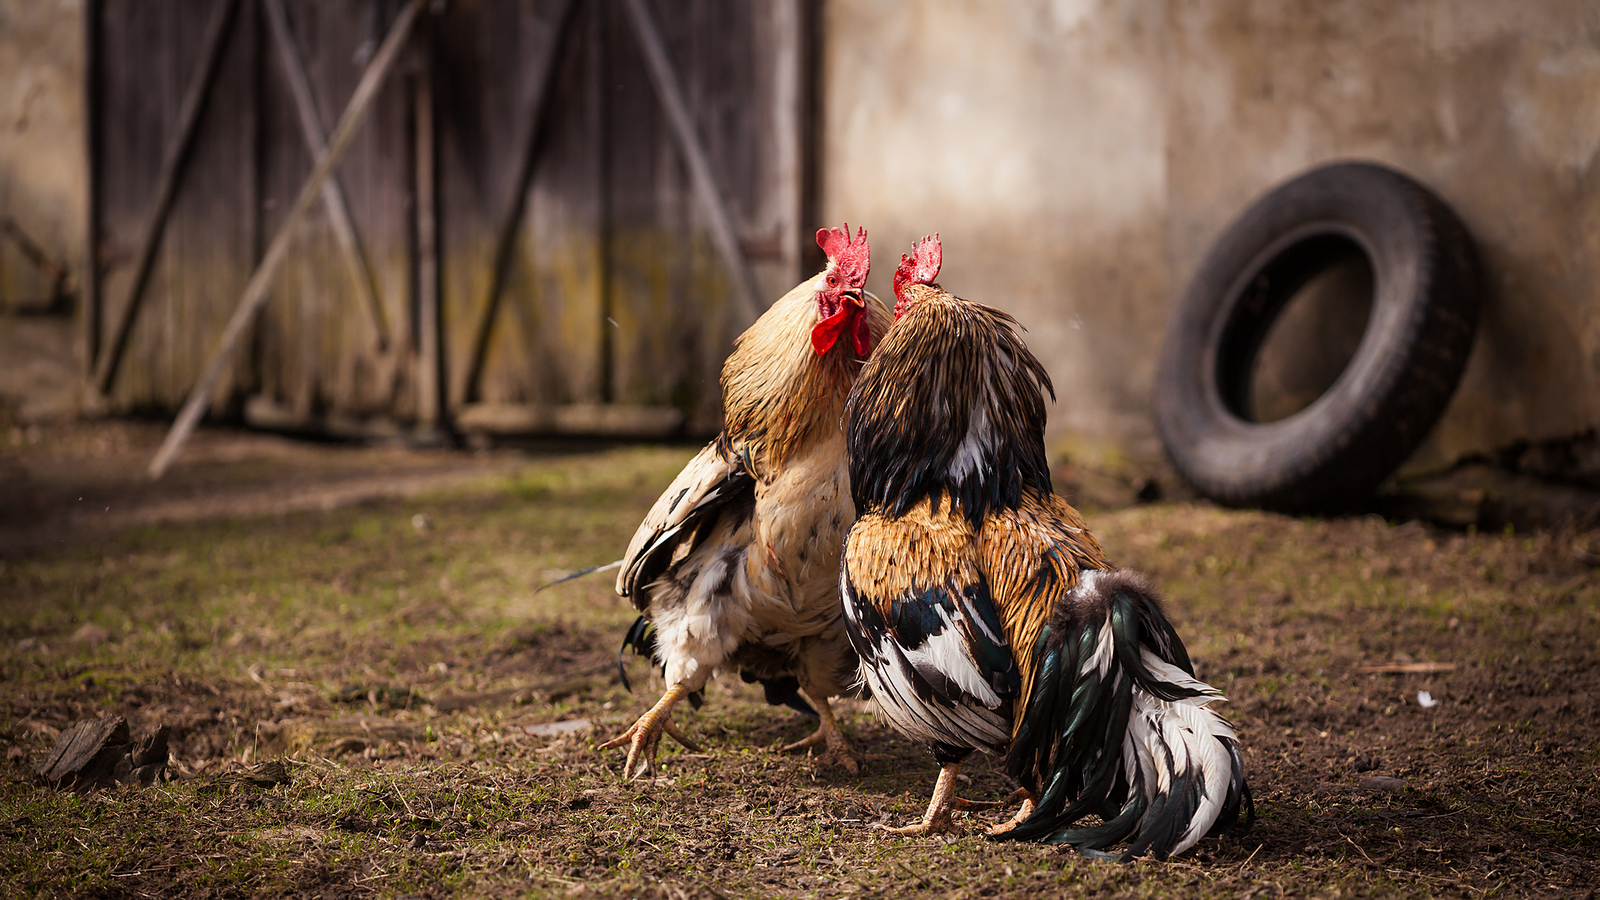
(938, 825)
(963, 803)
(837, 752)
(828, 733)
(644, 736)
(1023, 813)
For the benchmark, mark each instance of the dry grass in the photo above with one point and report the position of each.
(396, 654)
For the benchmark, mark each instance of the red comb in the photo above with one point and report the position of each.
(922, 266)
(852, 257)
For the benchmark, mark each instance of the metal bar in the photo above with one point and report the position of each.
(255, 292)
(665, 80)
(332, 194)
(172, 166)
(506, 233)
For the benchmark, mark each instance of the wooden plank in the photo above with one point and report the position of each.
(332, 194)
(543, 343)
(206, 250)
(609, 419)
(256, 291)
(611, 288)
(650, 246)
(789, 99)
(668, 286)
(430, 353)
(172, 165)
(312, 345)
(89, 313)
(669, 90)
(465, 386)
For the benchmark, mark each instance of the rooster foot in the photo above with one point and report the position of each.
(940, 824)
(644, 735)
(828, 733)
(937, 819)
(1023, 812)
(1020, 795)
(837, 752)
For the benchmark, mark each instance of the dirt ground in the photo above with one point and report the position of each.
(369, 697)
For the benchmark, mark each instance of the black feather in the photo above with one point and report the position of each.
(1070, 741)
(959, 355)
(733, 500)
(641, 637)
(781, 691)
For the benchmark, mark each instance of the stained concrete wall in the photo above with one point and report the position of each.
(1080, 156)
(42, 168)
(1030, 136)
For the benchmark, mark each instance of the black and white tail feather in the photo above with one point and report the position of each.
(1114, 674)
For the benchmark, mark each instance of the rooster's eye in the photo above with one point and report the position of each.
(832, 281)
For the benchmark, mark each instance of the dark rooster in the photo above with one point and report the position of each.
(985, 613)
(736, 567)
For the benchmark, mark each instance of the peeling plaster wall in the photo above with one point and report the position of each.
(1079, 157)
(42, 169)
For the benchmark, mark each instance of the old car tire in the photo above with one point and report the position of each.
(1424, 312)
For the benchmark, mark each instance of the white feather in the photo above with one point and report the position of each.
(1099, 662)
(977, 446)
(1171, 674)
(946, 651)
(963, 725)
(1193, 734)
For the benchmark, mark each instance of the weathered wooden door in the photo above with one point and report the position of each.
(515, 245)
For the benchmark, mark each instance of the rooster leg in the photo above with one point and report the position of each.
(937, 818)
(828, 733)
(1023, 812)
(1016, 796)
(645, 734)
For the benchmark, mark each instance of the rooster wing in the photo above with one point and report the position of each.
(920, 615)
(714, 485)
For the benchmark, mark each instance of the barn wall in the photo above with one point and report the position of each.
(1079, 157)
(41, 141)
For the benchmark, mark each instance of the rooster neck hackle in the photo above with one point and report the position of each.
(951, 402)
(778, 394)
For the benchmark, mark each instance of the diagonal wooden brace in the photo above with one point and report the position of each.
(255, 292)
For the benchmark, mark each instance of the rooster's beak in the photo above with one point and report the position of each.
(855, 297)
